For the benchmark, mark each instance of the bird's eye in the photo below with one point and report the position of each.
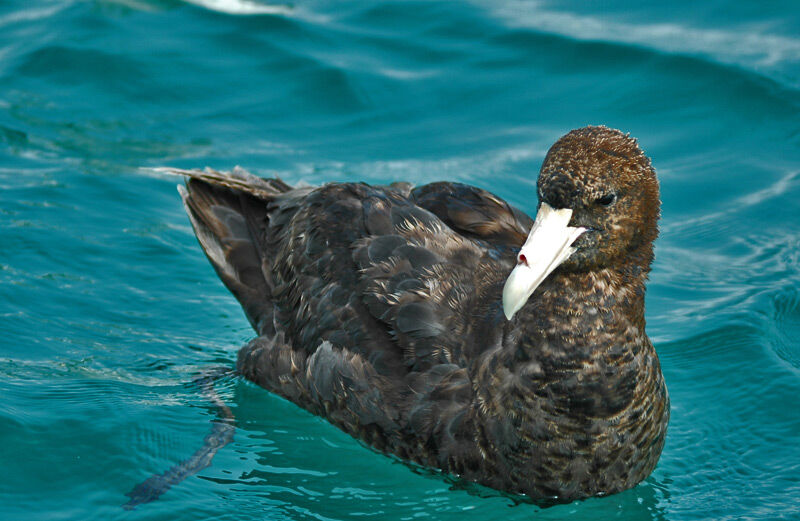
(606, 200)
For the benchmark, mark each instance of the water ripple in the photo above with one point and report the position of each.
(748, 48)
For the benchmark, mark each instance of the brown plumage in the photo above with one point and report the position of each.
(379, 308)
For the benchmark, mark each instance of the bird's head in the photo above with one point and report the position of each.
(598, 207)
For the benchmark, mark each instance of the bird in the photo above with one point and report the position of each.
(443, 326)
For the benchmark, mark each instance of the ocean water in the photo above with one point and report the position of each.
(108, 308)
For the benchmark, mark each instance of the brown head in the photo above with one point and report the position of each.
(598, 207)
(609, 184)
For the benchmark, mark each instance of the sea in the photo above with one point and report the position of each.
(109, 310)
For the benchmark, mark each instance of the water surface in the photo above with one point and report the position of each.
(108, 308)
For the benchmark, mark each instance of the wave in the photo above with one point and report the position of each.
(746, 47)
(29, 15)
(783, 185)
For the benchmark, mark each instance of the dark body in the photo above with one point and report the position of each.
(379, 308)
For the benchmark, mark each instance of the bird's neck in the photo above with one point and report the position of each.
(578, 306)
(584, 309)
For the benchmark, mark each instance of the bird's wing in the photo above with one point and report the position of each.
(363, 268)
(380, 302)
(475, 213)
(365, 302)
(367, 269)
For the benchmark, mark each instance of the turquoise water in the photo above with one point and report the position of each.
(108, 308)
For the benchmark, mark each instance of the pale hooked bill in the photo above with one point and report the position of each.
(549, 244)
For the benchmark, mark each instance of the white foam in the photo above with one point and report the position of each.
(746, 46)
(241, 7)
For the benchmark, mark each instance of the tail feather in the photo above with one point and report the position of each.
(237, 179)
(229, 214)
